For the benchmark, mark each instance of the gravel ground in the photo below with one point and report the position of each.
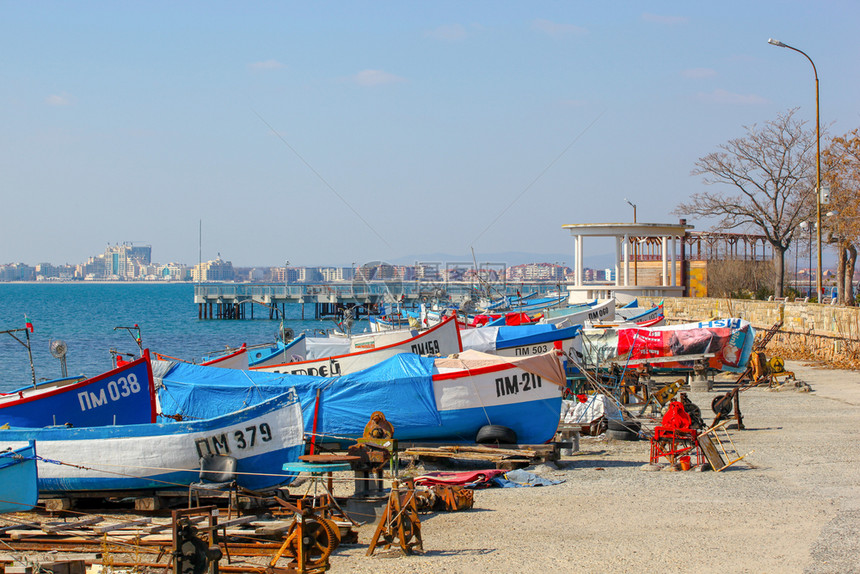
(792, 505)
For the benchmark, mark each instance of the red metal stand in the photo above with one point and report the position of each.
(673, 443)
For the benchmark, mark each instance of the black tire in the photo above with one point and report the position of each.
(496, 434)
(622, 435)
(722, 405)
(622, 425)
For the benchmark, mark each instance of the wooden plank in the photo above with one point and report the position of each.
(711, 453)
(121, 525)
(422, 445)
(147, 503)
(168, 525)
(271, 530)
(229, 523)
(464, 455)
(66, 526)
(20, 525)
(484, 450)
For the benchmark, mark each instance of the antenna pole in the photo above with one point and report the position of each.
(11, 333)
(30, 353)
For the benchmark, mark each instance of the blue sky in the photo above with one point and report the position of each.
(332, 132)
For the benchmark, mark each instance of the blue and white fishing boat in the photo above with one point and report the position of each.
(426, 399)
(580, 315)
(124, 395)
(19, 490)
(261, 438)
(524, 340)
(279, 353)
(638, 314)
(355, 354)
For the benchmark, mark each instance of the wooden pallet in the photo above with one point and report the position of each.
(504, 457)
(139, 500)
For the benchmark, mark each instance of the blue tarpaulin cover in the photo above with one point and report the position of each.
(401, 387)
(532, 335)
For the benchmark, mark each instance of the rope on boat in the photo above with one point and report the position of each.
(289, 475)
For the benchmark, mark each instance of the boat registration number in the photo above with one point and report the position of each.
(534, 350)
(240, 439)
(112, 392)
(517, 383)
(430, 347)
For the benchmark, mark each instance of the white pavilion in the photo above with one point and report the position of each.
(639, 247)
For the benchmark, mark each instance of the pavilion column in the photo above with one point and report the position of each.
(626, 260)
(665, 264)
(674, 260)
(579, 263)
(617, 260)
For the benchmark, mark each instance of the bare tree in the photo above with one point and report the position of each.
(772, 172)
(842, 173)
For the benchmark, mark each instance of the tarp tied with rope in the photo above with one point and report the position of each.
(730, 342)
(401, 387)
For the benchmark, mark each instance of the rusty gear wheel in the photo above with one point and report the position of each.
(319, 539)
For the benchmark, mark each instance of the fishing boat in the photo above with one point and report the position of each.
(124, 395)
(425, 399)
(524, 340)
(652, 317)
(722, 344)
(279, 353)
(638, 314)
(441, 340)
(389, 322)
(495, 320)
(232, 359)
(237, 359)
(156, 456)
(579, 315)
(19, 490)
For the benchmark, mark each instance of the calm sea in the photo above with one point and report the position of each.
(85, 315)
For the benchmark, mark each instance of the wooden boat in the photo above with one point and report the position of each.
(425, 399)
(579, 315)
(261, 438)
(723, 344)
(237, 359)
(524, 340)
(637, 314)
(232, 359)
(523, 394)
(279, 353)
(19, 490)
(443, 339)
(124, 395)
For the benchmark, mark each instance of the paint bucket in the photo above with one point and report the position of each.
(685, 463)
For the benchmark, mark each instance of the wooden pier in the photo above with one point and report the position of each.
(240, 300)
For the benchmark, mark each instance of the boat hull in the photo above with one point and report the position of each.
(503, 394)
(443, 339)
(595, 314)
(19, 489)
(124, 395)
(166, 455)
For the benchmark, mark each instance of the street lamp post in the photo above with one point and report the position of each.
(817, 162)
(804, 225)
